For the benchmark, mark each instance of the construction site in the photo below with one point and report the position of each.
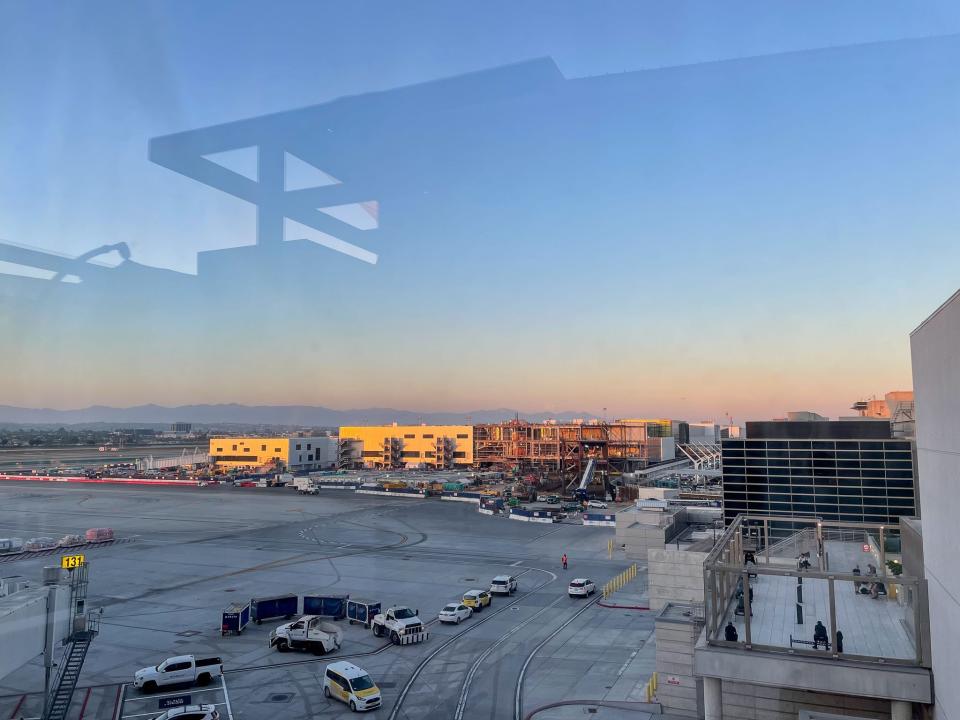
(563, 449)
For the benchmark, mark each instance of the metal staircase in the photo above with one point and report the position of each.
(69, 673)
(86, 626)
(588, 473)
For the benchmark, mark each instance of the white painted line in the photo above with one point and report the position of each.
(154, 713)
(468, 680)
(516, 563)
(518, 696)
(118, 710)
(185, 691)
(226, 697)
(629, 660)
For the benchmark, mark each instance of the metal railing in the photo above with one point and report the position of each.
(744, 552)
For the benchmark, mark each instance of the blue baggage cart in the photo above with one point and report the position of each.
(284, 606)
(235, 618)
(333, 606)
(362, 611)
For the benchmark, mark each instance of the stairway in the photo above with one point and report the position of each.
(587, 475)
(68, 675)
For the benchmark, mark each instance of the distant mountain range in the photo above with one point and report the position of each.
(234, 414)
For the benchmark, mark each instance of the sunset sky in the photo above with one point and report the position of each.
(753, 225)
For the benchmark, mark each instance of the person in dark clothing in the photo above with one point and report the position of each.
(839, 641)
(820, 636)
(730, 633)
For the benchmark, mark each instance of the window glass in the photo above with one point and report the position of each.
(434, 254)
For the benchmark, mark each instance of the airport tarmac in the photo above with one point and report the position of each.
(189, 552)
(22, 459)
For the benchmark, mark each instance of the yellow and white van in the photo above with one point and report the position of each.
(351, 684)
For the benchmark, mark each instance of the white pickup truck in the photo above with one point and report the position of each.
(401, 624)
(309, 632)
(179, 670)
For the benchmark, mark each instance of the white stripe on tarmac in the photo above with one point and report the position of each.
(186, 691)
(226, 697)
(154, 714)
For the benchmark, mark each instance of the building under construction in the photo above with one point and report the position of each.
(562, 450)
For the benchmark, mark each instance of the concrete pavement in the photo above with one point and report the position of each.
(199, 549)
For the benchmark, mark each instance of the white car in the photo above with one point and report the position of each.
(581, 587)
(454, 613)
(503, 585)
(191, 712)
(597, 504)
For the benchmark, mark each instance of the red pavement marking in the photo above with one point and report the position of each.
(601, 603)
(83, 708)
(116, 703)
(17, 708)
(110, 481)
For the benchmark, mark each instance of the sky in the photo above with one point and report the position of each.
(677, 208)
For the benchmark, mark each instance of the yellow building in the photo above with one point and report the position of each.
(411, 445)
(294, 453)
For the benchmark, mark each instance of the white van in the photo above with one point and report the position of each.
(351, 684)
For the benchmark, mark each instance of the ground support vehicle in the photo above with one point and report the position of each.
(267, 608)
(401, 624)
(235, 618)
(309, 632)
(11, 545)
(362, 611)
(332, 606)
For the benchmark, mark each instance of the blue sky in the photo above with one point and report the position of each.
(744, 237)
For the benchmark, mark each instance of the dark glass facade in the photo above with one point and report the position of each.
(865, 480)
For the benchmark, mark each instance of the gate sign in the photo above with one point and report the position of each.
(69, 562)
(174, 702)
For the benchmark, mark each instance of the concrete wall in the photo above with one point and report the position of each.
(23, 617)
(325, 452)
(260, 451)
(935, 347)
(637, 539)
(641, 530)
(756, 702)
(674, 576)
(677, 687)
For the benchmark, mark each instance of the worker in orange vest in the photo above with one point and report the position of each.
(564, 561)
